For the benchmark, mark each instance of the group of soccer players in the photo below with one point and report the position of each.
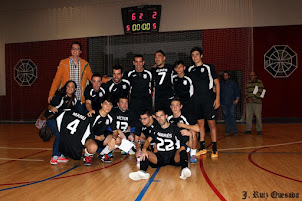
(121, 110)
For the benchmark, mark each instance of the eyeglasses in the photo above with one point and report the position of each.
(74, 48)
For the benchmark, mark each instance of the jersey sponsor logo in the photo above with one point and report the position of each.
(185, 82)
(145, 76)
(162, 70)
(114, 89)
(122, 118)
(79, 116)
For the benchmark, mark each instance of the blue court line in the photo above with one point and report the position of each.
(142, 193)
(40, 180)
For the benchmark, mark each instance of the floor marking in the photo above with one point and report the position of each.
(24, 157)
(26, 148)
(39, 181)
(19, 159)
(142, 193)
(255, 147)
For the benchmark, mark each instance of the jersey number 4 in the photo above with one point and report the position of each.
(72, 126)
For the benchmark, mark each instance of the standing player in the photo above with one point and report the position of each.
(140, 82)
(183, 86)
(178, 117)
(117, 86)
(206, 102)
(162, 81)
(168, 152)
(94, 93)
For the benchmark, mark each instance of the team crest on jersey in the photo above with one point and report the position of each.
(101, 94)
(124, 86)
(202, 70)
(185, 82)
(145, 76)
(107, 122)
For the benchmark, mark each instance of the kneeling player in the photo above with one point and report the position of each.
(169, 151)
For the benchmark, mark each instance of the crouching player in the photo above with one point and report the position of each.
(170, 145)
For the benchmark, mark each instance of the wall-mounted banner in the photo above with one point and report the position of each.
(280, 61)
(25, 72)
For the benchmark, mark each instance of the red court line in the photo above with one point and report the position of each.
(26, 182)
(24, 157)
(251, 160)
(206, 176)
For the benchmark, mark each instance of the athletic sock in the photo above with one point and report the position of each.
(105, 151)
(183, 159)
(193, 152)
(214, 146)
(87, 153)
(202, 145)
(144, 164)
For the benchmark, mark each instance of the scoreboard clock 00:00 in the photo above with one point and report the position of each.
(141, 19)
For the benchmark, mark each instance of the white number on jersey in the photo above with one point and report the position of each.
(122, 125)
(72, 126)
(162, 147)
(163, 75)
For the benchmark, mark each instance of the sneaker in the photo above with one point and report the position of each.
(193, 159)
(131, 152)
(214, 154)
(62, 159)
(201, 152)
(247, 132)
(139, 175)
(110, 155)
(123, 153)
(54, 161)
(259, 132)
(185, 173)
(105, 158)
(87, 160)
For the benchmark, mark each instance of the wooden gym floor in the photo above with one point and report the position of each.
(249, 167)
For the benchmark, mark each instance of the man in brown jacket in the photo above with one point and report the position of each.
(76, 69)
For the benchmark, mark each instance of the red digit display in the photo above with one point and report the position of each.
(128, 27)
(154, 25)
(154, 15)
(141, 16)
(133, 16)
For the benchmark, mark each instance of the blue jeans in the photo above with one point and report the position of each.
(230, 117)
(52, 124)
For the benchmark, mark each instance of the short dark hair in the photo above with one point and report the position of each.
(196, 49)
(176, 99)
(96, 75)
(123, 97)
(118, 67)
(76, 43)
(147, 112)
(179, 62)
(226, 72)
(161, 110)
(160, 51)
(138, 55)
(108, 98)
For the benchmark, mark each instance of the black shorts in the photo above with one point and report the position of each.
(203, 107)
(165, 159)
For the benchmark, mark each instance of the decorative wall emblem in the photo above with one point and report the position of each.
(280, 61)
(25, 72)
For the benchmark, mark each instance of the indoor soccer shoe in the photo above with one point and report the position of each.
(87, 160)
(123, 153)
(62, 159)
(105, 158)
(185, 173)
(193, 159)
(110, 155)
(53, 161)
(139, 175)
(214, 154)
(201, 152)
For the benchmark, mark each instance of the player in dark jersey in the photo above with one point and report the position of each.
(117, 86)
(162, 82)
(183, 86)
(167, 137)
(64, 98)
(179, 119)
(140, 82)
(100, 122)
(206, 102)
(94, 93)
(123, 125)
